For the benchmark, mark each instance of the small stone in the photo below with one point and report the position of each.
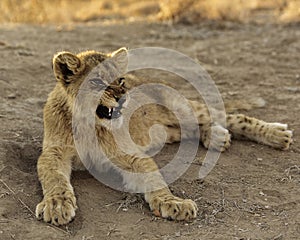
(25, 53)
(11, 96)
(232, 93)
(177, 234)
(292, 89)
(259, 159)
(261, 193)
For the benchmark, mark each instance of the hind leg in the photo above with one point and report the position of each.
(275, 135)
(217, 137)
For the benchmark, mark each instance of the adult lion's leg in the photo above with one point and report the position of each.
(59, 203)
(162, 202)
(273, 134)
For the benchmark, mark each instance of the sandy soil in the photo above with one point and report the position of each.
(252, 193)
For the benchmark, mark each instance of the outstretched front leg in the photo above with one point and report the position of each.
(161, 201)
(59, 203)
(275, 135)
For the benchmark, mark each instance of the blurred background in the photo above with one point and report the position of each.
(175, 11)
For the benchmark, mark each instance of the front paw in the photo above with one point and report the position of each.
(57, 208)
(217, 138)
(174, 208)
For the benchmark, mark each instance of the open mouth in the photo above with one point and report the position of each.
(108, 113)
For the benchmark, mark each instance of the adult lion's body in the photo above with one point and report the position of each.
(59, 154)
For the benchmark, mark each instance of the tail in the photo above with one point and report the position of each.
(244, 104)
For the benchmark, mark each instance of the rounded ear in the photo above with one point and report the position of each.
(65, 66)
(120, 60)
(122, 50)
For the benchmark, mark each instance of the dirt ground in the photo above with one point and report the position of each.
(252, 193)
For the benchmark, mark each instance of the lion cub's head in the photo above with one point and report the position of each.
(71, 70)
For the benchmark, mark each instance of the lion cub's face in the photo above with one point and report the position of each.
(71, 70)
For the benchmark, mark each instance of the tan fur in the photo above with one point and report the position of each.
(59, 155)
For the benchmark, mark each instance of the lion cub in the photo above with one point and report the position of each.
(59, 154)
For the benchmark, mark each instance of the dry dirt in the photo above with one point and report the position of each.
(252, 193)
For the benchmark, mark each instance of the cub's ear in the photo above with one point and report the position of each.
(120, 58)
(66, 65)
(122, 50)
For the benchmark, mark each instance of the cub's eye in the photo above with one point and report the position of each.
(97, 82)
(121, 81)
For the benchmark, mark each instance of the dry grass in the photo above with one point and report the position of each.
(291, 12)
(193, 11)
(66, 11)
(176, 11)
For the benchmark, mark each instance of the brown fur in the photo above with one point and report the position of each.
(59, 155)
